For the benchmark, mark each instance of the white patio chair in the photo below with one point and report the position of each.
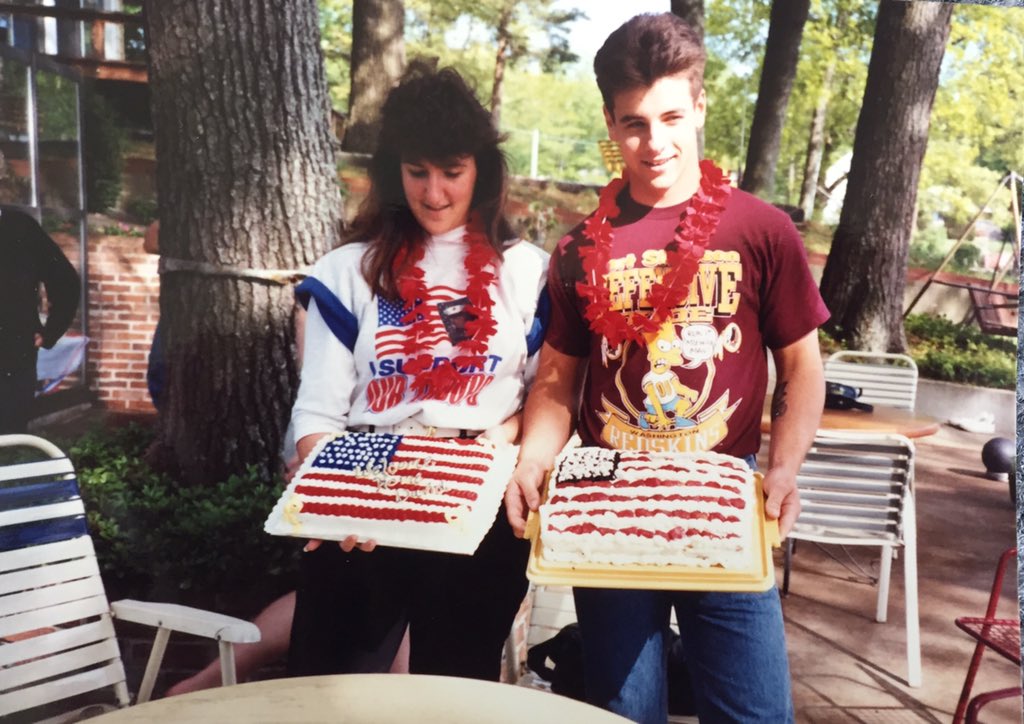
(885, 379)
(56, 636)
(858, 489)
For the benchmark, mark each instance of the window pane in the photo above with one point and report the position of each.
(15, 161)
(57, 101)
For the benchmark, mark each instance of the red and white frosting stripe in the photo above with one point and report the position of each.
(687, 509)
(433, 493)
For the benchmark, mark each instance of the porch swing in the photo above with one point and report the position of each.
(995, 309)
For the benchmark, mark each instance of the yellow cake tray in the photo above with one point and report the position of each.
(761, 577)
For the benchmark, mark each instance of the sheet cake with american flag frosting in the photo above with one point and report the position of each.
(430, 493)
(650, 508)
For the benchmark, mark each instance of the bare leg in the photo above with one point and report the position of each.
(275, 625)
(401, 663)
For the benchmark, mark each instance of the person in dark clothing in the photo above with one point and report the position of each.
(28, 258)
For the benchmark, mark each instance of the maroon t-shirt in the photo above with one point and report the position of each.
(699, 383)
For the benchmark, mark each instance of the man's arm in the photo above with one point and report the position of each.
(796, 411)
(62, 288)
(547, 424)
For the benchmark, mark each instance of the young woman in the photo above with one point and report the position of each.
(430, 239)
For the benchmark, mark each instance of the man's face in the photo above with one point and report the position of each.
(656, 129)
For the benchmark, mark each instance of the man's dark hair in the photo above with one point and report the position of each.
(431, 115)
(645, 49)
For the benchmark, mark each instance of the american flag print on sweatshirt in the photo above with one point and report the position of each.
(392, 333)
(412, 491)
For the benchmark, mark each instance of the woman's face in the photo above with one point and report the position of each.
(440, 194)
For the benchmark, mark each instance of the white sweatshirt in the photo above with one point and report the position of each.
(351, 374)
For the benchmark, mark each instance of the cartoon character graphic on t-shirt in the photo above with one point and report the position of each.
(682, 357)
(665, 394)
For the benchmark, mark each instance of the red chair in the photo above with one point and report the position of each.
(1002, 635)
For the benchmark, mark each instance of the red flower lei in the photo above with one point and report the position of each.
(683, 253)
(428, 381)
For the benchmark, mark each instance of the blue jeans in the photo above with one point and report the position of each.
(734, 645)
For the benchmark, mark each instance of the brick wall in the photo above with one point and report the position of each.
(124, 306)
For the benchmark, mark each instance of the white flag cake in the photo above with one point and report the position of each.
(431, 493)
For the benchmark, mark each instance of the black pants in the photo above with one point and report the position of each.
(17, 396)
(352, 608)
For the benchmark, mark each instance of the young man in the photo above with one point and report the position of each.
(667, 297)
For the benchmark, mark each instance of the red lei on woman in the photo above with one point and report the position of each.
(683, 253)
(437, 382)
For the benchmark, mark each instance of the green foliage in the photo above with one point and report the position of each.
(103, 154)
(336, 44)
(155, 537)
(979, 96)
(838, 32)
(944, 350)
(966, 257)
(566, 111)
(118, 229)
(929, 247)
(977, 129)
(954, 191)
(141, 209)
(531, 31)
(57, 107)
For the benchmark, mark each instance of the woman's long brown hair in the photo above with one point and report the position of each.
(431, 116)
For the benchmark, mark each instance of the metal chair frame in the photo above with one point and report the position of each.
(998, 634)
(885, 379)
(858, 489)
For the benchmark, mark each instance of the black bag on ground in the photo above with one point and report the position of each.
(564, 653)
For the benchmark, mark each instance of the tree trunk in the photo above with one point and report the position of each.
(816, 144)
(500, 60)
(378, 58)
(246, 183)
(865, 275)
(781, 53)
(692, 11)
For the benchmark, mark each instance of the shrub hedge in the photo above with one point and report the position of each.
(945, 350)
(157, 539)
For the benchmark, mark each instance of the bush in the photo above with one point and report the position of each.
(929, 247)
(157, 539)
(140, 209)
(944, 350)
